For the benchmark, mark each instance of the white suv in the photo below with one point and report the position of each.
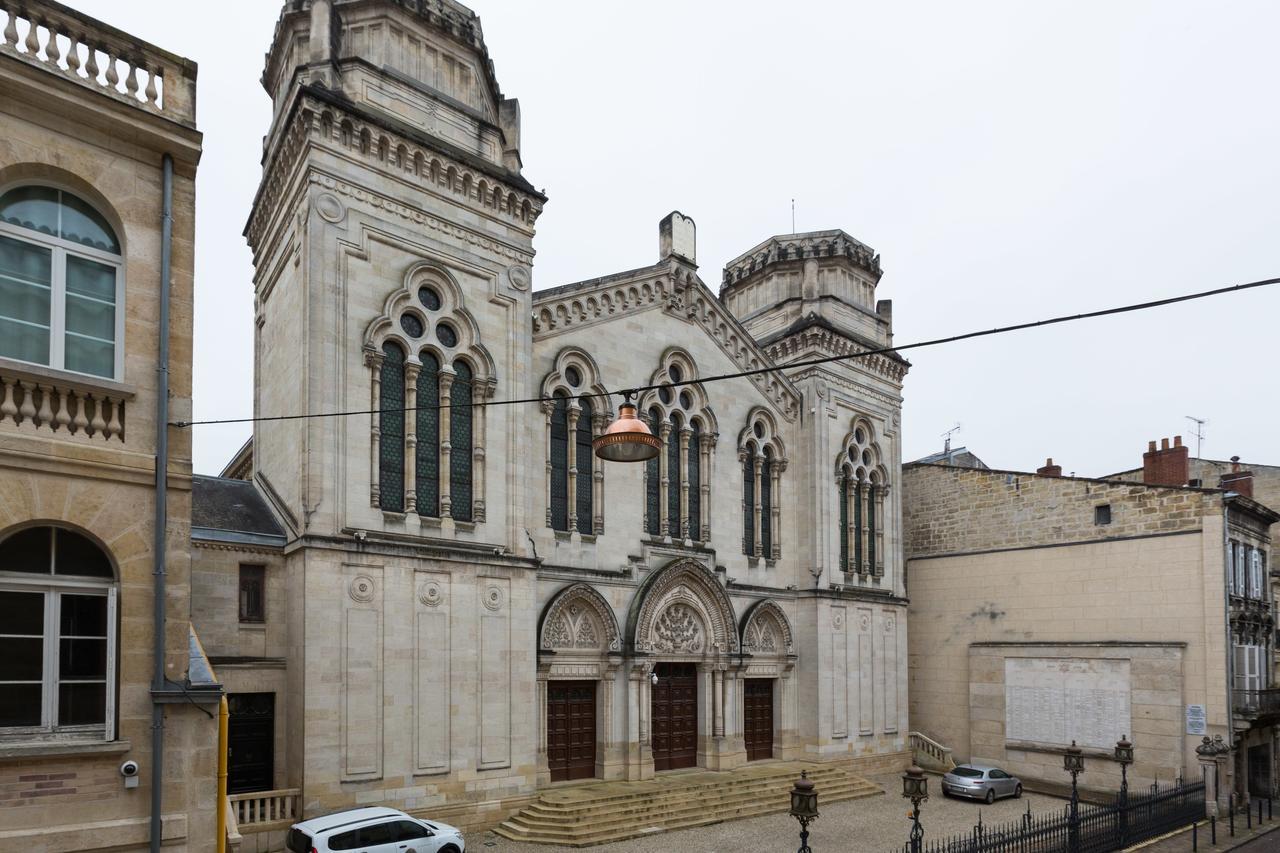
(373, 830)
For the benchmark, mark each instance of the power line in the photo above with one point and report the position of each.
(791, 366)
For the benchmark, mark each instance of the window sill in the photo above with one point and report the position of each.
(253, 626)
(64, 378)
(62, 749)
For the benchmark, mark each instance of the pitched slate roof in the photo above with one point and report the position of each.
(229, 510)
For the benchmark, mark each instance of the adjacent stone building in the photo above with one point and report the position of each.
(89, 116)
(463, 604)
(1046, 609)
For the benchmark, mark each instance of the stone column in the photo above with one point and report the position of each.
(574, 412)
(664, 480)
(598, 424)
(706, 443)
(540, 715)
(411, 370)
(548, 408)
(775, 511)
(373, 361)
(877, 500)
(446, 418)
(717, 698)
(757, 511)
(687, 529)
(482, 392)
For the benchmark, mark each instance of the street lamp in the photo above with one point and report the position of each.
(804, 807)
(627, 439)
(1124, 755)
(1073, 763)
(915, 787)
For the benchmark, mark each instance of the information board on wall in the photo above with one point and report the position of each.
(1195, 720)
(1057, 700)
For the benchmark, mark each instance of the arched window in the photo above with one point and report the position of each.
(674, 479)
(860, 481)
(460, 414)
(560, 462)
(427, 448)
(57, 636)
(585, 463)
(653, 482)
(61, 283)
(391, 427)
(760, 450)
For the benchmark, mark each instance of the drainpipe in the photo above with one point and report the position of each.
(1226, 622)
(222, 776)
(162, 508)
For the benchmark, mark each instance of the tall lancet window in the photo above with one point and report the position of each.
(679, 510)
(429, 379)
(763, 462)
(391, 426)
(460, 416)
(576, 409)
(860, 484)
(428, 448)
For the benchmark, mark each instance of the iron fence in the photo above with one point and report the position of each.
(1126, 821)
(1257, 702)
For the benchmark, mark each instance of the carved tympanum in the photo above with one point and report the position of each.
(679, 629)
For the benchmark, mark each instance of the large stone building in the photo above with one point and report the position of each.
(454, 604)
(1046, 609)
(92, 118)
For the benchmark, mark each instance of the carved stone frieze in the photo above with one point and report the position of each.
(679, 630)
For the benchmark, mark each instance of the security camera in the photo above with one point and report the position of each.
(129, 770)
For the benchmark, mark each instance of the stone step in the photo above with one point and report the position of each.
(599, 813)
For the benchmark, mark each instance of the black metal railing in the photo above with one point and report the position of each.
(1097, 829)
(1250, 702)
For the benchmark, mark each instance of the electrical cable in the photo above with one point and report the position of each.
(784, 368)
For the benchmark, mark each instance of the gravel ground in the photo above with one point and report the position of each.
(871, 825)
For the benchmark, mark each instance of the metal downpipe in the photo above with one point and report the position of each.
(162, 508)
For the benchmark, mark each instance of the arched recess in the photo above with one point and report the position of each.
(862, 483)
(576, 409)
(682, 610)
(766, 630)
(577, 618)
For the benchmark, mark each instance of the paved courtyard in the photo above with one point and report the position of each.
(871, 825)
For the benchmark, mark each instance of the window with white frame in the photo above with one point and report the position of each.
(61, 285)
(57, 636)
(1256, 589)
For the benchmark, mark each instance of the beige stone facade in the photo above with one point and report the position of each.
(1092, 580)
(449, 576)
(85, 130)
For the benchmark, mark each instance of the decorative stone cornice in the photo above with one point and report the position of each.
(794, 247)
(238, 548)
(833, 343)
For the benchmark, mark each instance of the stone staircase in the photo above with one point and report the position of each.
(602, 812)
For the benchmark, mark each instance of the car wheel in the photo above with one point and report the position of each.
(1017, 792)
(991, 797)
(448, 848)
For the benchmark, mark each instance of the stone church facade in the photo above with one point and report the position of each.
(464, 604)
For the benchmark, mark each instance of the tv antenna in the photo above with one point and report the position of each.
(1199, 431)
(946, 447)
(793, 216)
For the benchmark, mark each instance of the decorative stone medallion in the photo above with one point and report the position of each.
(431, 594)
(330, 208)
(519, 277)
(493, 598)
(361, 589)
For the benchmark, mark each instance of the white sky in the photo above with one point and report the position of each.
(1010, 161)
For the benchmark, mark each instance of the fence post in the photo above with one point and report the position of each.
(1231, 811)
(1195, 840)
(1248, 815)
(1259, 812)
(1213, 829)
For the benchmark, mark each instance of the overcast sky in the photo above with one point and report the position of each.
(1009, 161)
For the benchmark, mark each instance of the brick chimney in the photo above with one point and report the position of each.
(1049, 469)
(1168, 466)
(1240, 482)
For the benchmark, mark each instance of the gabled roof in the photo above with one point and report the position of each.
(233, 511)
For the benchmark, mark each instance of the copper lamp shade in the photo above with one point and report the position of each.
(628, 439)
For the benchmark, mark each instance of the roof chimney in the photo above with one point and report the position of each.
(1049, 469)
(1240, 482)
(1168, 466)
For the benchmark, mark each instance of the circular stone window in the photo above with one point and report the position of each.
(573, 377)
(412, 325)
(446, 335)
(664, 394)
(429, 298)
(759, 430)
(866, 457)
(858, 436)
(675, 373)
(686, 399)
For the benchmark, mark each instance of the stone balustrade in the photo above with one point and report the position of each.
(33, 399)
(63, 41)
(929, 754)
(264, 811)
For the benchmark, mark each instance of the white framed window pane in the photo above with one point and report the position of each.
(82, 224)
(82, 659)
(89, 346)
(31, 207)
(87, 355)
(21, 658)
(91, 279)
(26, 280)
(81, 704)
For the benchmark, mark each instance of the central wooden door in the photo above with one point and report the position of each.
(571, 729)
(250, 742)
(758, 718)
(675, 716)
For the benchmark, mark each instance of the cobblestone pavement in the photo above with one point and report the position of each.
(872, 825)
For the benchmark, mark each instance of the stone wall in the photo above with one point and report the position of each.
(948, 510)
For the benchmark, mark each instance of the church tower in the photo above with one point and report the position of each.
(392, 237)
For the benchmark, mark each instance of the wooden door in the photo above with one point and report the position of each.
(758, 718)
(675, 716)
(251, 726)
(571, 729)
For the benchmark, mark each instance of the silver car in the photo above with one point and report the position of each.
(980, 782)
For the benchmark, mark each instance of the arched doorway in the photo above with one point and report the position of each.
(769, 654)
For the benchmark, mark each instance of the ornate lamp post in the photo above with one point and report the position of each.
(915, 787)
(1073, 763)
(1124, 755)
(804, 807)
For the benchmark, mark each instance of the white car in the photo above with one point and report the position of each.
(373, 830)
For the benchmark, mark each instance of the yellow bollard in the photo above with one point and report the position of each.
(222, 775)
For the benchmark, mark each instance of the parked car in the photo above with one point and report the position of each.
(980, 782)
(373, 830)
